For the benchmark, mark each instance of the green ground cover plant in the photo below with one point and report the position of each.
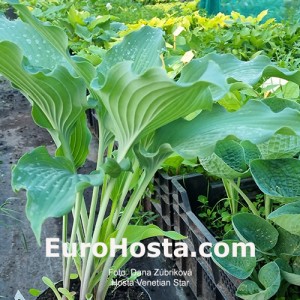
(93, 28)
(272, 224)
(274, 271)
(270, 220)
(147, 113)
(245, 37)
(125, 12)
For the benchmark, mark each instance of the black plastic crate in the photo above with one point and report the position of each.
(185, 191)
(161, 204)
(200, 282)
(164, 182)
(163, 194)
(161, 221)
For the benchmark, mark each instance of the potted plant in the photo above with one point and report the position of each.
(230, 160)
(274, 271)
(139, 109)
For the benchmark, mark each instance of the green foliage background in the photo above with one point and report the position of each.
(93, 27)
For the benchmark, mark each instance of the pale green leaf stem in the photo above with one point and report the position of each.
(78, 202)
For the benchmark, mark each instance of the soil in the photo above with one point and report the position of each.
(20, 255)
(135, 292)
(22, 262)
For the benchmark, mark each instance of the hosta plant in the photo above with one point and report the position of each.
(231, 159)
(274, 270)
(141, 114)
(231, 162)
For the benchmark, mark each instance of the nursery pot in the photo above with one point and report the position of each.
(121, 292)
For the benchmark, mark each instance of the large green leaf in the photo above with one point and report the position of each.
(283, 144)
(142, 47)
(249, 72)
(287, 217)
(287, 244)
(231, 159)
(58, 101)
(33, 43)
(278, 104)
(234, 69)
(80, 140)
(269, 278)
(43, 45)
(239, 266)
(51, 185)
(290, 277)
(277, 177)
(227, 161)
(35, 58)
(288, 273)
(135, 233)
(251, 151)
(255, 122)
(251, 228)
(280, 146)
(139, 104)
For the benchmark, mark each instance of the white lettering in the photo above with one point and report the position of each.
(114, 247)
(83, 248)
(166, 245)
(243, 249)
(133, 249)
(202, 249)
(138, 249)
(223, 253)
(181, 250)
(66, 247)
(50, 246)
(95, 251)
(153, 250)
